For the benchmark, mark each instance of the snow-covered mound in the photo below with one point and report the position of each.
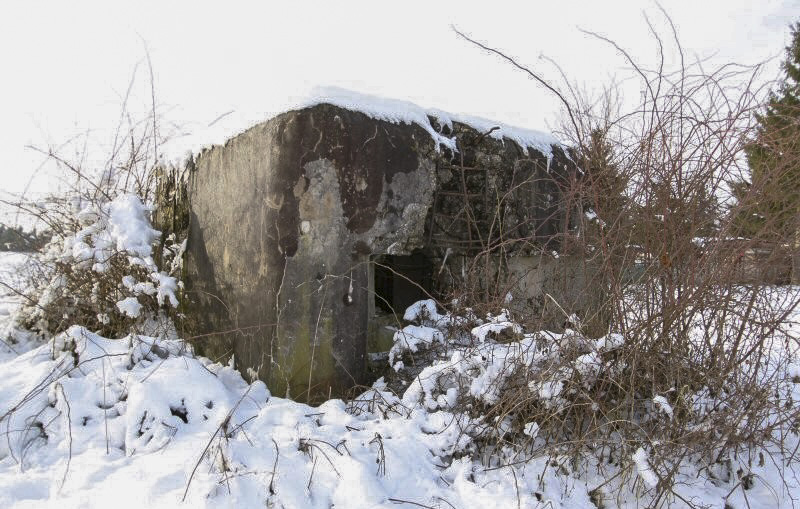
(142, 421)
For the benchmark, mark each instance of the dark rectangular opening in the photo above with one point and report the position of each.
(401, 280)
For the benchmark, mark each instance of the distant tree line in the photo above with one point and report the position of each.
(14, 238)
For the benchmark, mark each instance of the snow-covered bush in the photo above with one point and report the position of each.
(99, 272)
(566, 395)
(534, 378)
(105, 267)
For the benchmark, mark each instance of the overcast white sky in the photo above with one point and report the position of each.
(66, 65)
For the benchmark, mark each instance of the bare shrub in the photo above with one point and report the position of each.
(699, 369)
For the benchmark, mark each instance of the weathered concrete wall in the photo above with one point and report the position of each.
(283, 220)
(548, 291)
(285, 217)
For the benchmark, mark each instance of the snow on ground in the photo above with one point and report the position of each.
(11, 266)
(141, 422)
(14, 268)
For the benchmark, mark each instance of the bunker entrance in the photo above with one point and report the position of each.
(401, 281)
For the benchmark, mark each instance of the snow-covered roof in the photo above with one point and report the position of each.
(380, 108)
(405, 112)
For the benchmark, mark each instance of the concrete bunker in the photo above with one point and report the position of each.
(309, 233)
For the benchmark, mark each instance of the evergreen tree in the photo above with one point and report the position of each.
(770, 202)
(605, 183)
